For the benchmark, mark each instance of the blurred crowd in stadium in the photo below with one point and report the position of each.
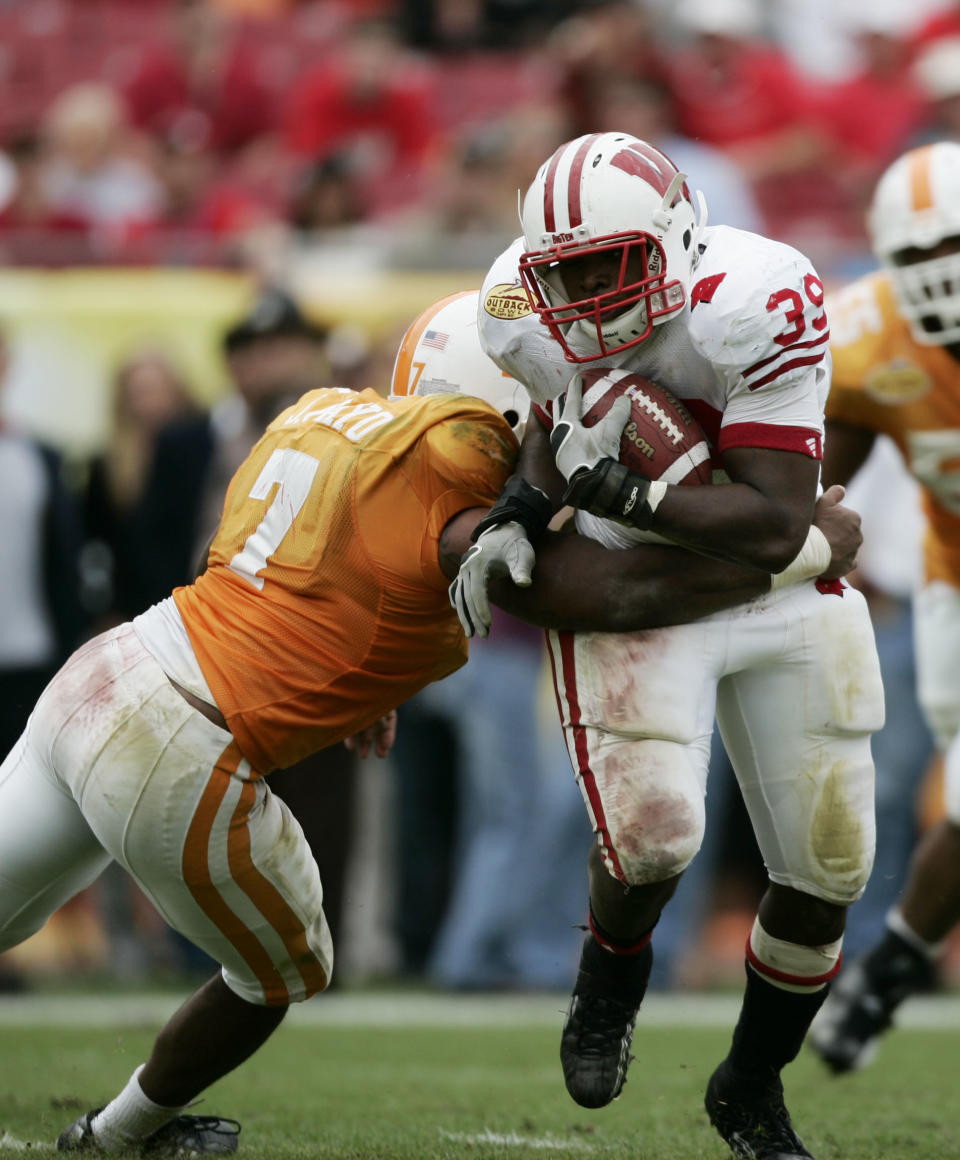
(294, 143)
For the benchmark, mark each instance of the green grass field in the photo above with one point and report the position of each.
(411, 1092)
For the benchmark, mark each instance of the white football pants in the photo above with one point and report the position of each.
(114, 764)
(794, 682)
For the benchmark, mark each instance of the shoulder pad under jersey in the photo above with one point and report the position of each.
(755, 306)
(513, 336)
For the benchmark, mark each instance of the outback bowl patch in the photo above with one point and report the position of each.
(897, 382)
(507, 301)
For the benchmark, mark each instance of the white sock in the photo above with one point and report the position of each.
(130, 1118)
(898, 924)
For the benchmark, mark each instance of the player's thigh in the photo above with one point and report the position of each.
(637, 712)
(227, 864)
(797, 728)
(656, 683)
(937, 637)
(48, 853)
(168, 795)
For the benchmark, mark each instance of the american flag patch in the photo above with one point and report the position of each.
(436, 339)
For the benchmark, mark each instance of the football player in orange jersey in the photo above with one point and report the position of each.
(896, 356)
(323, 606)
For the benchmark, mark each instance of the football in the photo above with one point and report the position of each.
(662, 440)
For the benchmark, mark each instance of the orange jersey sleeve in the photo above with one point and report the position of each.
(887, 382)
(323, 605)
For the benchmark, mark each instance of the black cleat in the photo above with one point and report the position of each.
(595, 1045)
(182, 1136)
(750, 1115)
(861, 1005)
(79, 1136)
(595, 1048)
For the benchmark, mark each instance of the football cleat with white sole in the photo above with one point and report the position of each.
(183, 1136)
(598, 1032)
(751, 1116)
(864, 998)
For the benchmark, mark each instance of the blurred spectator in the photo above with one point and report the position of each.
(91, 173)
(327, 196)
(40, 541)
(469, 212)
(871, 116)
(149, 393)
(645, 109)
(210, 211)
(274, 354)
(736, 91)
(25, 203)
(938, 25)
(202, 83)
(374, 105)
(459, 25)
(604, 43)
(937, 71)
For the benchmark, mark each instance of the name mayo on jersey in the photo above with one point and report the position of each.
(324, 605)
(885, 381)
(749, 353)
(348, 416)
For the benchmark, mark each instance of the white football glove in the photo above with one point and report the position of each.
(500, 551)
(576, 447)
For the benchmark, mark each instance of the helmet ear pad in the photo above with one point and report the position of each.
(595, 193)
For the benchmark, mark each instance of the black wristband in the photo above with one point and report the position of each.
(612, 491)
(521, 502)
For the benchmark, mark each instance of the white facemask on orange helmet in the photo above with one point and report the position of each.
(916, 207)
(612, 195)
(441, 354)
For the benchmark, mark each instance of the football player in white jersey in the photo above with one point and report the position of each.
(617, 268)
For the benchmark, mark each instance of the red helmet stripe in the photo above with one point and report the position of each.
(573, 181)
(655, 168)
(549, 211)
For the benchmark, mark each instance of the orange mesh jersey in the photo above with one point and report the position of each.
(323, 605)
(884, 380)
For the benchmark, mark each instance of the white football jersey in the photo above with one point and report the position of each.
(749, 352)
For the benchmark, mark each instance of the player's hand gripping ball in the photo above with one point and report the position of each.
(661, 439)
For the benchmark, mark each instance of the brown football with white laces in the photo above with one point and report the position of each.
(662, 440)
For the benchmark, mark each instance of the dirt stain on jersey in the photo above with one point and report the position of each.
(497, 446)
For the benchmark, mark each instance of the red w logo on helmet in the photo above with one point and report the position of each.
(655, 168)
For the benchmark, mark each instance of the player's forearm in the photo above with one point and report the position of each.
(579, 585)
(734, 522)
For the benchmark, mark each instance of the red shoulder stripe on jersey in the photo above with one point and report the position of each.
(809, 361)
(821, 341)
(806, 440)
(574, 208)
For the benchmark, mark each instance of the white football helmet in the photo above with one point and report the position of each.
(614, 196)
(441, 353)
(916, 208)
